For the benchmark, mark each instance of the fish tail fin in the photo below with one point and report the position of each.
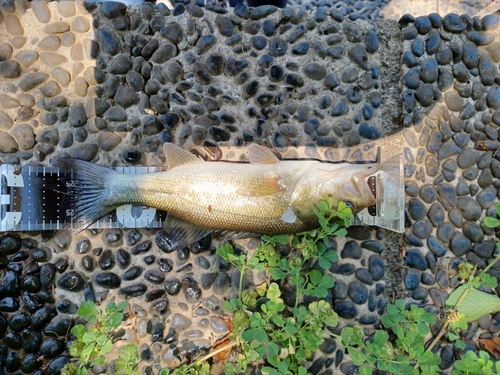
(87, 193)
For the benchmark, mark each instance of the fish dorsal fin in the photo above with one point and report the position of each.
(178, 233)
(261, 155)
(178, 156)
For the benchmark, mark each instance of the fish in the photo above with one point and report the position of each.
(264, 196)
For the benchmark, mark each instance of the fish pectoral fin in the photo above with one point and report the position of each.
(178, 156)
(261, 155)
(178, 233)
(289, 216)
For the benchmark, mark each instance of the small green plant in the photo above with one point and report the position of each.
(403, 353)
(285, 337)
(493, 222)
(197, 368)
(93, 343)
(472, 364)
(264, 327)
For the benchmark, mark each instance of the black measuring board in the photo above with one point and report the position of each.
(32, 197)
(372, 183)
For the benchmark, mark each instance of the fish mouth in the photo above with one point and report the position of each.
(359, 188)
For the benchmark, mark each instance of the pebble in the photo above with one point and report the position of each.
(473, 232)
(489, 22)
(436, 214)
(345, 309)
(357, 53)
(453, 23)
(108, 280)
(436, 246)
(438, 297)
(364, 276)
(132, 273)
(428, 193)
(412, 279)
(134, 290)
(376, 267)
(373, 245)
(470, 55)
(433, 44)
(459, 244)
(192, 293)
(12, 25)
(262, 11)
(429, 72)
(460, 72)
(339, 290)
(485, 249)
(315, 71)
(368, 131)
(425, 94)
(5, 51)
(351, 250)
(416, 209)
(481, 38)
(471, 210)
(453, 101)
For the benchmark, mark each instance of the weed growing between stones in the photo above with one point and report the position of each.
(404, 351)
(93, 343)
(283, 336)
(264, 329)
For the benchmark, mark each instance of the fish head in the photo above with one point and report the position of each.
(349, 184)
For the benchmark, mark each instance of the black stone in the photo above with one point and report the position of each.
(123, 257)
(108, 280)
(192, 293)
(459, 244)
(72, 281)
(42, 316)
(416, 209)
(453, 23)
(173, 286)
(376, 267)
(132, 273)
(51, 348)
(10, 244)
(134, 290)
(345, 309)
(109, 42)
(277, 46)
(436, 246)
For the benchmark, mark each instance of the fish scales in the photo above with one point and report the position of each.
(236, 197)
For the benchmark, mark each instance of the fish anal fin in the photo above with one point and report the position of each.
(260, 155)
(178, 233)
(176, 156)
(234, 235)
(267, 186)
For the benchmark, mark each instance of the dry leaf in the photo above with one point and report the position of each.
(224, 341)
(492, 346)
(482, 145)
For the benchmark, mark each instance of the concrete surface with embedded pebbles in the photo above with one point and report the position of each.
(110, 84)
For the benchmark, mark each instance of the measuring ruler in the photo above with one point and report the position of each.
(31, 198)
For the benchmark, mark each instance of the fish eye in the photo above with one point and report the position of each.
(349, 204)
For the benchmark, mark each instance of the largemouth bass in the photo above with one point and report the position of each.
(264, 196)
